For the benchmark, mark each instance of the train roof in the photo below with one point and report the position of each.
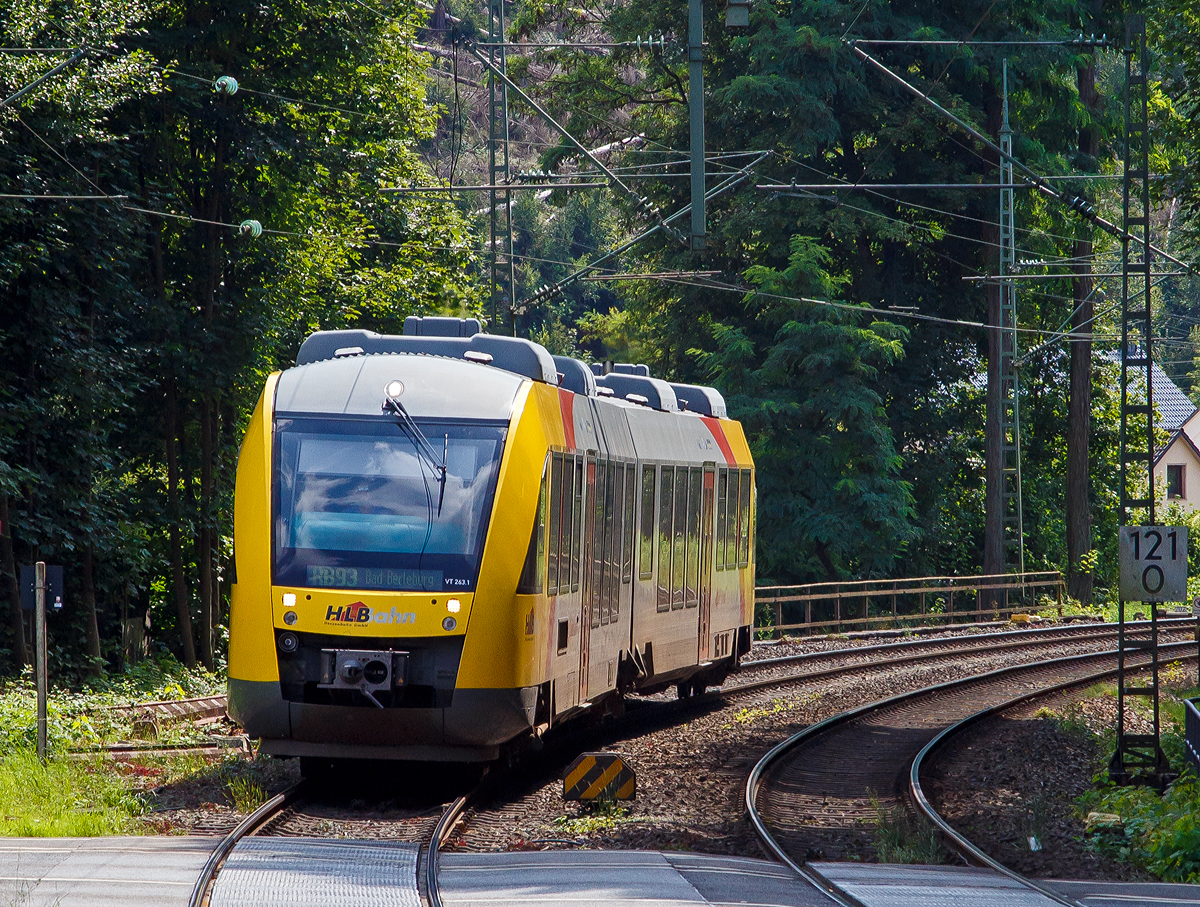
(345, 362)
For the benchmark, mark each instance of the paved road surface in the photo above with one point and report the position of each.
(101, 872)
(160, 872)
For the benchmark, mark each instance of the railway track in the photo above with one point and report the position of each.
(918, 650)
(529, 791)
(300, 812)
(817, 794)
(283, 814)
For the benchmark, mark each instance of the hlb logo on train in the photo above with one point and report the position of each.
(358, 613)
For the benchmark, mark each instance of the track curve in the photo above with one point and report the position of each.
(249, 825)
(953, 838)
(822, 781)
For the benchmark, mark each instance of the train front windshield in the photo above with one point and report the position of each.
(357, 506)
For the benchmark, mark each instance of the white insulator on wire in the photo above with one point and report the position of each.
(226, 85)
(251, 228)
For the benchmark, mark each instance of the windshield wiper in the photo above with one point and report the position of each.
(421, 443)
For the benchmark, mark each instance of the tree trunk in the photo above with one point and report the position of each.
(1079, 425)
(91, 625)
(205, 535)
(208, 285)
(1079, 412)
(12, 588)
(95, 666)
(179, 579)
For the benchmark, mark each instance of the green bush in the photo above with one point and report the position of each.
(1162, 833)
(84, 719)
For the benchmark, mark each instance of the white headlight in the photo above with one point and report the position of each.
(289, 599)
(453, 605)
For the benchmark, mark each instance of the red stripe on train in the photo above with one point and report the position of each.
(566, 402)
(718, 433)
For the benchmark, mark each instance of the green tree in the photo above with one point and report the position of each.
(803, 380)
(137, 333)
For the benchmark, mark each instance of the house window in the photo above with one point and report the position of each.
(1175, 481)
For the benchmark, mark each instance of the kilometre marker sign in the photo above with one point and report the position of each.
(1153, 563)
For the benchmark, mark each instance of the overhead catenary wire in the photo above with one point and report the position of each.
(846, 184)
(31, 51)
(73, 198)
(198, 220)
(1080, 206)
(919, 42)
(866, 309)
(344, 110)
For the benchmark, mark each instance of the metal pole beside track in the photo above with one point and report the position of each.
(39, 617)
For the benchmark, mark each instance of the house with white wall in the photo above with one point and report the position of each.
(1177, 466)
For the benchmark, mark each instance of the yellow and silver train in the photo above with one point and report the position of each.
(447, 542)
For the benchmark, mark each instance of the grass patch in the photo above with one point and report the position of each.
(74, 795)
(899, 838)
(1160, 833)
(62, 798)
(601, 814)
(247, 793)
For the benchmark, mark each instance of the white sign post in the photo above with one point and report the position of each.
(1153, 562)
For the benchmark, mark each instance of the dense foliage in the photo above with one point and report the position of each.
(1161, 832)
(136, 330)
(910, 498)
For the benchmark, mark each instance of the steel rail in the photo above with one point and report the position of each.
(440, 833)
(950, 652)
(970, 853)
(246, 827)
(754, 781)
(1066, 633)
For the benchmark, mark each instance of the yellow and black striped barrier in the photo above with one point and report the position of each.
(594, 775)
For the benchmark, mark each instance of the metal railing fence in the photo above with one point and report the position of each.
(925, 599)
(1191, 729)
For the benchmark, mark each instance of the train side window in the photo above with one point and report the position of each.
(627, 547)
(577, 523)
(563, 628)
(596, 564)
(618, 534)
(679, 555)
(646, 548)
(610, 533)
(695, 491)
(567, 525)
(533, 574)
(665, 511)
(722, 502)
(744, 521)
(552, 544)
(729, 550)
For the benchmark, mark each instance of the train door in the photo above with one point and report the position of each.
(706, 561)
(588, 611)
